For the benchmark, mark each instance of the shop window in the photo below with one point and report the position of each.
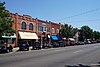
(30, 26)
(1, 42)
(23, 25)
(40, 28)
(10, 41)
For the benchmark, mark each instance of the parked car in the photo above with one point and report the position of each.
(5, 47)
(36, 45)
(98, 41)
(88, 41)
(55, 44)
(81, 43)
(46, 45)
(24, 45)
(62, 43)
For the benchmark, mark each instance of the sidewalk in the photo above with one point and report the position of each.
(17, 48)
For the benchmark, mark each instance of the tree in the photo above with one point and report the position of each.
(5, 20)
(88, 32)
(68, 31)
(81, 35)
(96, 35)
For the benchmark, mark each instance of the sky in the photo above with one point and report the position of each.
(73, 12)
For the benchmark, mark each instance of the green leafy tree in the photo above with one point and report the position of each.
(5, 20)
(68, 31)
(88, 32)
(74, 31)
(96, 35)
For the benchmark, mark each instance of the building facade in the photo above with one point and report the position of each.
(30, 29)
(25, 27)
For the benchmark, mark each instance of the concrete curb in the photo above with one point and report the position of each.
(17, 48)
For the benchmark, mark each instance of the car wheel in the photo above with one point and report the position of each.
(28, 49)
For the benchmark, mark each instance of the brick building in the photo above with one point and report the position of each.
(54, 28)
(30, 29)
(43, 31)
(25, 27)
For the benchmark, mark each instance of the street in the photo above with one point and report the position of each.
(53, 57)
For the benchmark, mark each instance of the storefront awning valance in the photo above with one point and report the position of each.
(28, 35)
(12, 36)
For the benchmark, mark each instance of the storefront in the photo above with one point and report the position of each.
(30, 37)
(59, 40)
(11, 39)
(44, 38)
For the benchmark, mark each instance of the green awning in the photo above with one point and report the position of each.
(12, 36)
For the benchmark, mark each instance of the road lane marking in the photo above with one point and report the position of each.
(77, 51)
(57, 50)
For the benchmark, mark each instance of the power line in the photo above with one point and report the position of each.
(85, 20)
(87, 12)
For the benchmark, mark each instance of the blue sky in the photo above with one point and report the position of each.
(58, 11)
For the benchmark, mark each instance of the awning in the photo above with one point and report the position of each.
(12, 36)
(28, 35)
(59, 38)
(54, 37)
(71, 39)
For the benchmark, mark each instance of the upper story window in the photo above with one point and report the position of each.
(57, 30)
(53, 31)
(24, 25)
(44, 28)
(40, 28)
(30, 26)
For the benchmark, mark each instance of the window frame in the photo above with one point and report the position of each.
(31, 26)
(44, 29)
(23, 25)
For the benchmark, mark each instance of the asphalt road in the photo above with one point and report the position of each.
(54, 57)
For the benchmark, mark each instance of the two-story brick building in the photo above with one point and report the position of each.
(43, 31)
(25, 27)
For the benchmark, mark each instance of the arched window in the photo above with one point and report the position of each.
(23, 25)
(30, 26)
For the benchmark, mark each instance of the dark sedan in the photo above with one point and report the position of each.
(24, 45)
(36, 45)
